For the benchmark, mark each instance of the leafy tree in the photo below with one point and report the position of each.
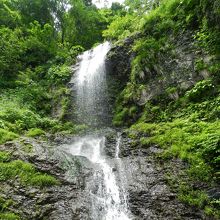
(39, 10)
(11, 50)
(84, 24)
(40, 44)
(141, 6)
(8, 16)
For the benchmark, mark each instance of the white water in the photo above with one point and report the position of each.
(108, 195)
(90, 85)
(108, 198)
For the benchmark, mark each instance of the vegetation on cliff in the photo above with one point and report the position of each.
(40, 40)
(172, 96)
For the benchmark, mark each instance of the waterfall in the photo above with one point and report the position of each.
(107, 195)
(90, 87)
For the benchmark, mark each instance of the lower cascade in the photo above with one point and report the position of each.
(108, 198)
(106, 189)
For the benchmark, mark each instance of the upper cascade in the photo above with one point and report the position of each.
(90, 86)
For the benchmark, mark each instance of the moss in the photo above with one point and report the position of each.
(7, 136)
(5, 214)
(27, 148)
(4, 156)
(120, 117)
(25, 173)
(9, 216)
(35, 132)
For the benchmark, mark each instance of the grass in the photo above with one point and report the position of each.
(197, 143)
(35, 132)
(5, 214)
(6, 135)
(9, 216)
(24, 172)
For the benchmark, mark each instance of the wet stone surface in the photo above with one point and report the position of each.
(147, 192)
(65, 201)
(149, 196)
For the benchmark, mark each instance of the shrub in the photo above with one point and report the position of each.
(120, 117)
(201, 89)
(58, 74)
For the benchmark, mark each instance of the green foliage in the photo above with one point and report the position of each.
(141, 6)
(40, 44)
(200, 199)
(121, 27)
(59, 74)
(29, 11)
(4, 156)
(209, 40)
(26, 174)
(43, 180)
(11, 50)
(195, 142)
(34, 132)
(21, 118)
(4, 210)
(120, 117)
(9, 216)
(200, 90)
(194, 198)
(6, 136)
(81, 24)
(8, 16)
(23, 109)
(211, 150)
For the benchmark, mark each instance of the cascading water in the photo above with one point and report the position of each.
(90, 87)
(108, 198)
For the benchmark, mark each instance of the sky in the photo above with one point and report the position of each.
(102, 3)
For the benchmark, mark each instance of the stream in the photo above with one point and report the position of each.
(109, 199)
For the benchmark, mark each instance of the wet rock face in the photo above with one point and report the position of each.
(119, 61)
(169, 76)
(69, 200)
(149, 196)
(118, 64)
(138, 171)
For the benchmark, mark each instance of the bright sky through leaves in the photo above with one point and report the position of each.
(104, 3)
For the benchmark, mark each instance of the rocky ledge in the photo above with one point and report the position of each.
(67, 200)
(138, 172)
(149, 195)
